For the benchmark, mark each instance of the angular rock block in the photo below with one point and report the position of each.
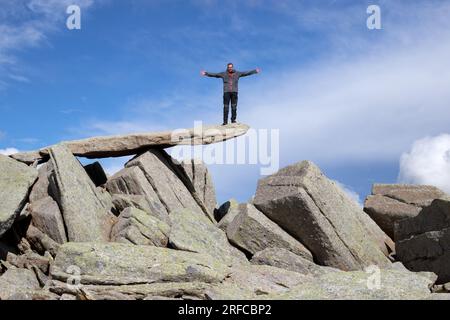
(138, 227)
(252, 231)
(423, 242)
(196, 233)
(15, 181)
(202, 182)
(47, 217)
(85, 215)
(130, 144)
(285, 259)
(390, 203)
(121, 264)
(315, 211)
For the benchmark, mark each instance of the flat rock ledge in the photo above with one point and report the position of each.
(130, 144)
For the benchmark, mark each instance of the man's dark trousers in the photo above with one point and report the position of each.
(227, 98)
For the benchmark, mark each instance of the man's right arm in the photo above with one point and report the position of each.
(214, 75)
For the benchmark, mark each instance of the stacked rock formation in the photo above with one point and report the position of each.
(154, 230)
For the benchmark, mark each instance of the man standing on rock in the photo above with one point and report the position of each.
(230, 79)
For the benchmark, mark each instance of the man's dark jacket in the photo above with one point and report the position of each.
(230, 79)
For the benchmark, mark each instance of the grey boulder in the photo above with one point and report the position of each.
(47, 217)
(389, 204)
(252, 231)
(15, 181)
(122, 264)
(138, 227)
(285, 259)
(315, 211)
(82, 205)
(17, 281)
(423, 242)
(194, 232)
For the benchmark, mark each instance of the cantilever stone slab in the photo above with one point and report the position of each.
(130, 144)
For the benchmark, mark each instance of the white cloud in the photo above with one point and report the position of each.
(427, 163)
(8, 151)
(365, 108)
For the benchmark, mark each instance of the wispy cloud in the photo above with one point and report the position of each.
(19, 78)
(26, 24)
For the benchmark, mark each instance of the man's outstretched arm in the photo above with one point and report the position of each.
(210, 74)
(248, 73)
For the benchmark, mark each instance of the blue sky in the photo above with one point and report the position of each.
(365, 105)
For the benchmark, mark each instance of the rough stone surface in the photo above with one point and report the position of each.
(196, 233)
(418, 195)
(129, 187)
(41, 242)
(138, 227)
(130, 144)
(386, 211)
(423, 242)
(29, 260)
(255, 282)
(15, 181)
(201, 179)
(313, 209)
(85, 215)
(47, 218)
(359, 285)
(285, 259)
(167, 182)
(41, 188)
(147, 291)
(252, 231)
(226, 213)
(390, 203)
(15, 281)
(120, 264)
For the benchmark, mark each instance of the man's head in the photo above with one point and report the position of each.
(229, 67)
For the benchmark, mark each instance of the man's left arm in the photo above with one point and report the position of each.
(248, 73)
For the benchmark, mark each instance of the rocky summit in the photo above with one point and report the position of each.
(154, 230)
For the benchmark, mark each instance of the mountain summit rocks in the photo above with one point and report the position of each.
(154, 230)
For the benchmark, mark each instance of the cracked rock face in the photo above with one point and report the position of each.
(199, 175)
(196, 233)
(138, 227)
(358, 285)
(314, 210)
(16, 281)
(84, 212)
(423, 242)
(390, 203)
(252, 231)
(121, 264)
(160, 178)
(15, 181)
(285, 259)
